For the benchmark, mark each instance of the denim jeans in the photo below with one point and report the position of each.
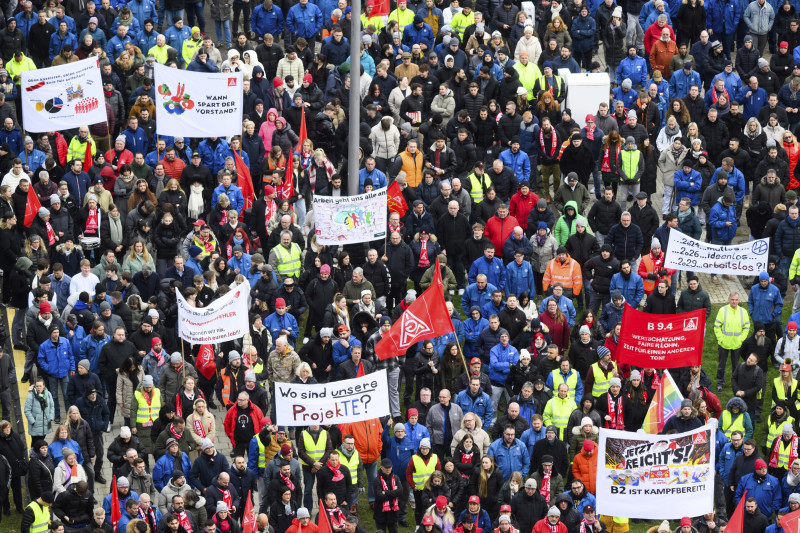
(308, 489)
(169, 14)
(53, 384)
(371, 469)
(224, 37)
(300, 209)
(194, 15)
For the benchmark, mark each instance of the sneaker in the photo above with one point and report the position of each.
(719, 388)
(413, 505)
(305, 340)
(108, 429)
(460, 292)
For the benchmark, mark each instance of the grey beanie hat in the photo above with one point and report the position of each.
(554, 512)
(44, 212)
(234, 355)
(175, 358)
(615, 381)
(85, 363)
(399, 427)
(55, 199)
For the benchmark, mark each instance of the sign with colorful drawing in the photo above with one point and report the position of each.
(198, 104)
(350, 219)
(62, 97)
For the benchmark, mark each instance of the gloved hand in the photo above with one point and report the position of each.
(652, 276)
(663, 272)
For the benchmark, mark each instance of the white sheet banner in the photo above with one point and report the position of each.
(685, 253)
(62, 97)
(339, 402)
(223, 320)
(198, 104)
(656, 476)
(350, 219)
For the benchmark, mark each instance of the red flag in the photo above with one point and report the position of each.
(322, 520)
(790, 523)
(303, 135)
(116, 514)
(425, 318)
(87, 159)
(380, 8)
(736, 523)
(206, 364)
(249, 518)
(285, 190)
(32, 207)
(360, 371)
(245, 181)
(395, 200)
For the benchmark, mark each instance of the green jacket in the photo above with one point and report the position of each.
(563, 229)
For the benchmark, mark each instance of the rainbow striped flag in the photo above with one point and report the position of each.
(665, 405)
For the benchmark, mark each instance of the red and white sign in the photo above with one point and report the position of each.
(223, 320)
(661, 341)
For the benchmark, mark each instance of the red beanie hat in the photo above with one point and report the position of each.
(686, 521)
(760, 463)
(280, 302)
(44, 307)
(277, 82)
(155, 341)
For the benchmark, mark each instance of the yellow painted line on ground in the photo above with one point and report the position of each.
(19, 363)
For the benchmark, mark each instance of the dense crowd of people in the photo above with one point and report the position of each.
(544, 227)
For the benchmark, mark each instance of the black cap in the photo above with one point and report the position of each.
(641, 195)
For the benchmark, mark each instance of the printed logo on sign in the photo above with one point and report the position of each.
(760, 247)
(699, 438)
(690, 324)
(231, 82)
(411, 328)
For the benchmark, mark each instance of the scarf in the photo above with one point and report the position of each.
(41, 398)
(223, 219)
(774, 457)
(115, 228)
(198, 426)
(183, 518)
(269, 210)
(591, 529)
(159, 357)
(337, 474)
(92, 220)
(424, 261)
(541, 239)
(715, 96)
(616, 421)
(466, 458)
(148, 516)
(73, 472)
(206, 244)
(288, 482)
(552, 142)
(606, 166)
(196, 203)
(51, 236)
(336, 517)
(389, 505)
(683, 215)
(791, 479)
(174, 434)
(226, 497)
(590, 133)
(545, 488)
(149, 399)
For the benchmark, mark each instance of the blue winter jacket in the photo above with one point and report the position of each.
(472, 330)
(135, 141)
(481, 520)
(627, 98)
(263, 21)
(733, 83)
(56, 446)
(34, 159)
(25, 23)
(56, 360)
(632, 289)
(735, 182)
(722, 16)
(529, 136)
(588, 499)
(509, 459)
(398, 451)
(132, 494)
(689, 185)
(766, 491)
(583, 31)
(481, 405)
(90, 349)
(197, 66)
(611, 316)
(234, 194)
(473, 296)
(680, 83)
(519, 278)
(717, 218)
(58, 42)
(566, 306)
(176, 37)
(378, 179)
(520, 163)
(116, 45)
(413, 35)
(162, 471)
(765, 305)
(752, 103)
(787, 237)
(634, 69)
(336, 52)
(500, 360)
(304, 20)
(530, 437)
(416, 433)
(213, 157)
(494, 270)
(143, 10)
(275, 323)
(341, 354)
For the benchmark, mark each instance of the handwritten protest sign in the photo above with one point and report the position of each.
(339, 402)
(350, 219)
(685, 253)
(223, 320)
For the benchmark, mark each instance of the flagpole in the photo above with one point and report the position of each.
(438, 276)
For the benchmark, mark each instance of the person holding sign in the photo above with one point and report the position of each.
(723, 222)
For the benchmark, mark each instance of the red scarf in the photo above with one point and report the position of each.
(337, 474)
(172, 430)
(545, 489)
(51, 236)
(606, 166)
(590, 133)
(714, 96)
(226, 497)
(424, 262)
(159, 356)
(91, 220)
(616, 421)
(224, 217)
(198, 427)
(336, 517)
(553, 141)
(584, 523)
(288, 481)
(208, 247)
(183, 518)
(389, 505)
(773, 457)
(466, 458)
(269, 211)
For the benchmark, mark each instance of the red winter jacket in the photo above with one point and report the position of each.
(230, 420)
(521, 206)
(498, 230)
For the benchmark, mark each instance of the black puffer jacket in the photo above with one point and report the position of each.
(81, 433)
(716, 135)
(77, 508)
(600, 271)
(528, 509)
(40, 474)
(12, 448)
(603, 215)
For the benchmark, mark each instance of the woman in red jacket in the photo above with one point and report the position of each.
(557, 323)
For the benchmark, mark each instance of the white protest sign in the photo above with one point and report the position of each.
(198, 104)
(223, 320)
(656, 476)
(340, 402)
(350, 219)
(62, 97)
(685, 253)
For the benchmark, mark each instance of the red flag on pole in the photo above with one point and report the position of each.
(206, 364)
(245, 181)
(736, 523)
(87, 158)
(303, 135)
(322, 519)
(249, 518)
(380, 8)
(395, 200)
(790, 523)
(116, 514)
(425, 318)
(32, 207)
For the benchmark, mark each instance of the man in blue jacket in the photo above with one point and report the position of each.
(723, 220)
(753, 97)
(143, 10)
(765, 305)
(474, 400)
(722, 19)
(517, 160)
(477, 294)
(765, 488)
(233, 192)
(336, 47)
(303, 20)
(135, 137)
(55, 360)
(491, 267)
(633, 68)
(682, 81)
(510, 454)
(419, 33)
(501, 358)
(213, 150)
(267, 18)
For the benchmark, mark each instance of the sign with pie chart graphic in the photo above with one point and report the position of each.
(62, 97)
